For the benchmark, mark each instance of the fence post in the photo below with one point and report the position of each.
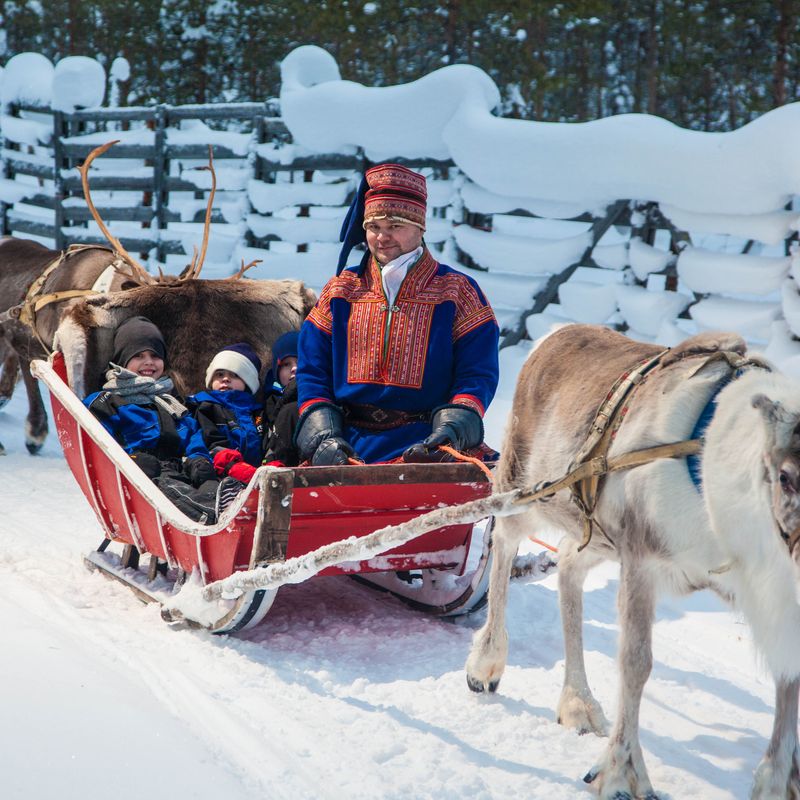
(5, 230)
(58, 180)
(160, 173)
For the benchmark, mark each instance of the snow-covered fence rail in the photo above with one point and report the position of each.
(135, 180)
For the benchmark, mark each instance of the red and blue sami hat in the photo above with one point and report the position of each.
(395, 193)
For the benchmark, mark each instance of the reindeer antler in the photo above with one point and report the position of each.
(242, 270)
(197, 262)
(138, 272)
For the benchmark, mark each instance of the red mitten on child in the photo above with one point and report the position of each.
(230, 462)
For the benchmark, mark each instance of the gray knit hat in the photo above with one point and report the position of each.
(135, 335)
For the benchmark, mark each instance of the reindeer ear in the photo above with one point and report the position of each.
(770, 410)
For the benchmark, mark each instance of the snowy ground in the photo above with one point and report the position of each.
(341, 692)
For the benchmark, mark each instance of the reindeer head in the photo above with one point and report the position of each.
(782, 463)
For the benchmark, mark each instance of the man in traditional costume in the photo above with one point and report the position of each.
(400, 353)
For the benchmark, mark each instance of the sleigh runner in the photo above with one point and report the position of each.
(283, 514)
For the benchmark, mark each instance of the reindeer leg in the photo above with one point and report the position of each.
(577, 707)
(8, 379)
(36, 421)
(622, 775)
(487, 659)
(778, 774)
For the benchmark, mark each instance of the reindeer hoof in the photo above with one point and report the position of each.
(3, 401)
(591, 774)
(34, 447)
(479, 686)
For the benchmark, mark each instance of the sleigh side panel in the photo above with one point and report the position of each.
(317, 505)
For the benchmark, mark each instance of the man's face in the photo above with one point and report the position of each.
(387, 239)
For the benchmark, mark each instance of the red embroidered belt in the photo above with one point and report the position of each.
(373, 418)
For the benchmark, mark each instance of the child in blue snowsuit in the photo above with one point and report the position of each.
(280, 403)
(137, 408)
(229, 414)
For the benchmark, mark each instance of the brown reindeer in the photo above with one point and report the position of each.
(22, 261)
(197, 318)
(38, 285)
(736, 535)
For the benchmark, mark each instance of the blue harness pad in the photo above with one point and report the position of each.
(700, 427)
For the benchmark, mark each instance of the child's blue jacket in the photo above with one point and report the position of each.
(230, 419)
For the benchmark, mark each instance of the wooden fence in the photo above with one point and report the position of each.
(153, 211)
(55, 210)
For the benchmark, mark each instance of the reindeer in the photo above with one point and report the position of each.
(37, 286)
(196, 317)
(736, 534)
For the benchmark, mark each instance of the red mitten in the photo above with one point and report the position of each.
(225, 459)
(242, 471)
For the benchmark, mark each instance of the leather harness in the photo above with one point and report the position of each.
(34, 300)
(591, 464)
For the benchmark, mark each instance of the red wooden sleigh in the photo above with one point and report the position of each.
(283, 513)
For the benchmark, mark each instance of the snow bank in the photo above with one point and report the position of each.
(645, 258)
(647, 311)
(706, 271)
(328, 115)
(482, 201)
(587, 302)
(27, 80)
(270, 197)
(78, 82)
(25, 131)
(771, 228)
(520, 253)
(752, 320)
(12, 191)
(194, 131)
(447, 114)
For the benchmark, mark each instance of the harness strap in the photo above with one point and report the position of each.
(600, 465)
(586, 491)
(34, 299)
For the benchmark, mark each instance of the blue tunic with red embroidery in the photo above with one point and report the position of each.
(436, 345)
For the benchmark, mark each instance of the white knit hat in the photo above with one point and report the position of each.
(241, 360)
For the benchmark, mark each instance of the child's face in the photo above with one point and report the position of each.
(287, 370)
(224, 381)
(147, 364)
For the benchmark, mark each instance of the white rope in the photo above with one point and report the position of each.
(355, 549)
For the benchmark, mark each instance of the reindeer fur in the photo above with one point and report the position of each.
(197, 318)
(22, 261)
(667, 536)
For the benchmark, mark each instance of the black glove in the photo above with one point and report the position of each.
(331, 452)
(458, 426)
(199, 470)
(147, 463)
(319, 436)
